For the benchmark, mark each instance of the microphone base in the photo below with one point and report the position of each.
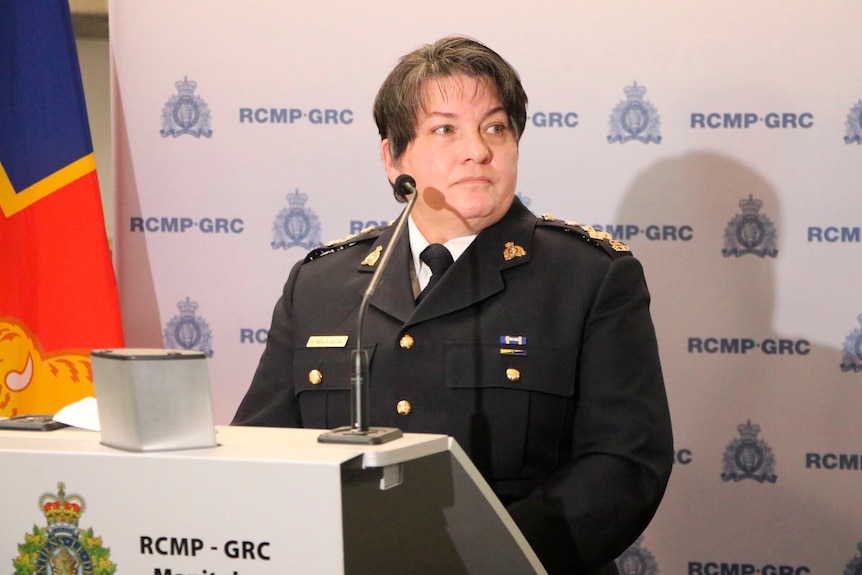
(374, 435)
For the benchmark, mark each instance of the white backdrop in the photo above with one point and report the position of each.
(758, 101)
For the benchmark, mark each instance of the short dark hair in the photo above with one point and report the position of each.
(400, 96)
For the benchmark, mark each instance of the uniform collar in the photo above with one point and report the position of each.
(475, 276)
(456, 247)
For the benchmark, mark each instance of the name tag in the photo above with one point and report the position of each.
(327, 341)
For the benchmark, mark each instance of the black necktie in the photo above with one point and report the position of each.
(438, 258)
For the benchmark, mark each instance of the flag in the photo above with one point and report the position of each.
(58, 292)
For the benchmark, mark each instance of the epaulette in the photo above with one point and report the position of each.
(598, 238)
(369, 233)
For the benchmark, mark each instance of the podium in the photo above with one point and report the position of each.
(264, 501)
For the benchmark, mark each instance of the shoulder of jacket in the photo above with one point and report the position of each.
(368, 234)
(588, 234)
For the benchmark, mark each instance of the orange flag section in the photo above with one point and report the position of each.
(37, 382)
(58, 299)
(59, 280)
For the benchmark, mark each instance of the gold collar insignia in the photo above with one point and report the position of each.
(371, 259)
(512, 251)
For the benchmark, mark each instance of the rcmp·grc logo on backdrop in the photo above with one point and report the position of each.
(296, 225)
(188, 331)
(61, 548)
(750, 232)
(852, 357)
(637, 560)
(748, 457)
(185, 113)
(635, 118)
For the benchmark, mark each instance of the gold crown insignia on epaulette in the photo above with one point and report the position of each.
(591, 233)
(340, 241)
(363, 231)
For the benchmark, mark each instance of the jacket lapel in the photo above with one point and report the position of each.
(394, 292)
(478, 273)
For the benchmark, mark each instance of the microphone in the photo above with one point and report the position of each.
(360, 432)
(404, 186)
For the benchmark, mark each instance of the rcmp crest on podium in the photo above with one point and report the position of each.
(61, 547)
(187, 330)
(635, 118)
(750, 232)
(186, 113)
(854, 125)
(748, 457)
(296, 225)
(637, 560)
(852, 357)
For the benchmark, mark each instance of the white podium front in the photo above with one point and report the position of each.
(264, 501)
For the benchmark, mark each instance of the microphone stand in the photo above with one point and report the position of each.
(360, 432)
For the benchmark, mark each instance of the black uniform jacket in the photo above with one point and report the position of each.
(535, 351)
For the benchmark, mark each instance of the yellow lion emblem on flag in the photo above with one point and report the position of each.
(32, 381)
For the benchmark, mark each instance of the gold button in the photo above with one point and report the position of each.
(407, 341)
(403, 407)
(315, 377)
(513, 374)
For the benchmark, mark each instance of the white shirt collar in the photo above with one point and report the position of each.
(456, 247)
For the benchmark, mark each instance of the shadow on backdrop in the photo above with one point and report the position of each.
(726, 365)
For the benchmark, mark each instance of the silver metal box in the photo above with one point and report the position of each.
(153, 399)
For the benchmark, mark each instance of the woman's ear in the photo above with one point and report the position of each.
(392, 170)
